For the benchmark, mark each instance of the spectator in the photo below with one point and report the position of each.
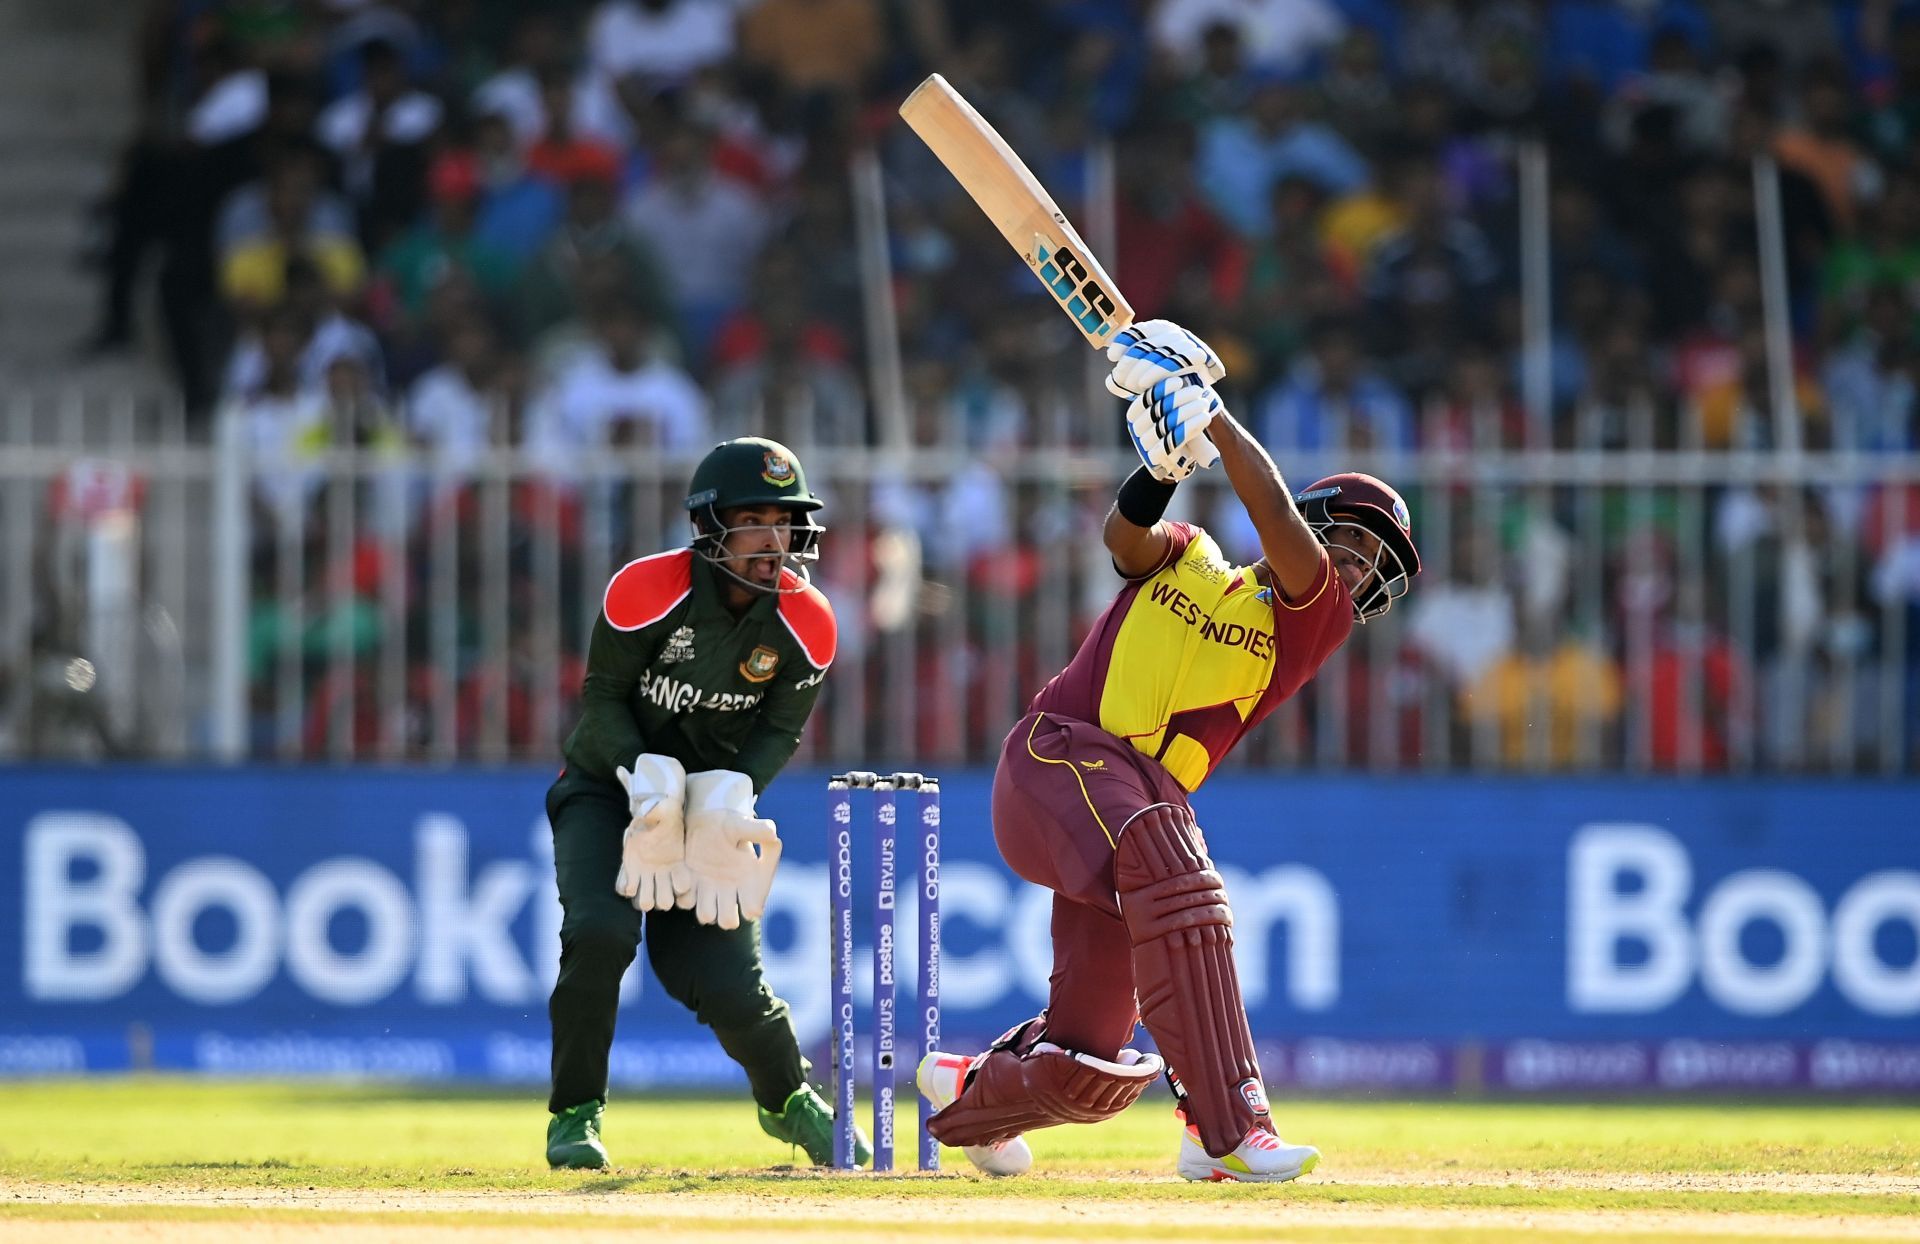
(518, 211)
(1357, 93)
(662, 40)
(1220, 83)
(1823, 146)
(1295, 276)
(1279, 36)
(1871, 379)
(516, 92)
(706, 229)
(466, 405)
(592, 237)
(1476, 412)
(1503, 89)
(1331, 401)
(1674, 78)
(380, 133)
(1892, 124)
(296, 220)
(1697, 688)
(1241, 159)
(1686, 258)
(274, 412)
(1555, 679)
(1164, 227)
(1885, 252)
(1429, 284)
(779, 305)
(1436, 45)
(1621, 406)
(1804, 218)
(1464, 624)
(615, 395)
(448, 241)
(1735, 408)
(324, 332)
(815, 47)
(797, 396)
(565, 144)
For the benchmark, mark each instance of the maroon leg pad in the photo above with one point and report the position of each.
(1022, 1085)
(1175, 908)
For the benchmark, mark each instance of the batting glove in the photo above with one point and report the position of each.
(1168, 425)
(1149, 352)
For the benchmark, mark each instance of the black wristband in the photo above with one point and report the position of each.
(1143, 499)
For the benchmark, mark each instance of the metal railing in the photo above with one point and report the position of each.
(1637, 611)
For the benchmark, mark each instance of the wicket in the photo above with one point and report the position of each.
(884, 804)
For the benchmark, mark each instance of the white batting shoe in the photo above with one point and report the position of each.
(939, 1079)
(1262, 1158)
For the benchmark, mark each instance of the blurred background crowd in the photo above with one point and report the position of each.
(446, 235)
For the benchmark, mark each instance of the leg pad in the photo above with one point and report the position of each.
(1175, 909)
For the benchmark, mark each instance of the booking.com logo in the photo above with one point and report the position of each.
(99, 921)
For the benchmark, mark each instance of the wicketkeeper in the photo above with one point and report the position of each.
(1090, 797)
(703, 667)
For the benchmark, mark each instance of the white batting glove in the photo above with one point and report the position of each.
(653, 867)
(731, 879)
(1149, 352)
(1168, 425)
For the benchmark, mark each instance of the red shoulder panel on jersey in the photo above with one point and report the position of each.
(809, 617)
(644, 591)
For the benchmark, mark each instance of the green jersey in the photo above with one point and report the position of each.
(671, 670)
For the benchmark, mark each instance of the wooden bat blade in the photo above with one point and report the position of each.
(1019, 206)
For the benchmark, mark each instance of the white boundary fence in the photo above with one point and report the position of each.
(1669, 610)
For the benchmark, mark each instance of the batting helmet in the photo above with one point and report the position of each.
(1352, 499)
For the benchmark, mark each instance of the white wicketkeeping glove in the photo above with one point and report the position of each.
(653, 851)
(1153, 350)
(1168, 424)
(730, 878)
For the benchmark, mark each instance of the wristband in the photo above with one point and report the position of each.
(1143, 500)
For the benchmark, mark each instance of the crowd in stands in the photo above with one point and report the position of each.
(462, 225)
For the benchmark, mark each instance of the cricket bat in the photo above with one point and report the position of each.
(1019, 206)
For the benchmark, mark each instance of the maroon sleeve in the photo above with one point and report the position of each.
(1308, 630)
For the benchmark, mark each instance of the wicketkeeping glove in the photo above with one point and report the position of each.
(1168, 425)
(730, 878)
(1153, 350)
(653, 865)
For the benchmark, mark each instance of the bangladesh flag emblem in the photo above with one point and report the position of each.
(760, 664)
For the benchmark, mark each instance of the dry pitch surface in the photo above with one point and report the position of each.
(165, 1160)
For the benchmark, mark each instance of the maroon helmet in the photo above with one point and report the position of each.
(1352, 499)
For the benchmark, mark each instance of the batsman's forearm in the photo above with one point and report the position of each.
(1255, 478)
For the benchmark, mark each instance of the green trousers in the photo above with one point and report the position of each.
(715, 973)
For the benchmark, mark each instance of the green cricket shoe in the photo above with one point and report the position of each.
(573, 1139)
(808, 1122)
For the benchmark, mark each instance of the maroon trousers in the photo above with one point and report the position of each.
(1063, 791)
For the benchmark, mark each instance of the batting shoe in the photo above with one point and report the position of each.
(940, 1078)
(573, 1138)
(807, 1121)
(1262, 1158)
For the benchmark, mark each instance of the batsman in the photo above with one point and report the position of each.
(703, 666)
(1090, 798)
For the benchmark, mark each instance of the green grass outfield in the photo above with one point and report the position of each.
(215, 1159)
